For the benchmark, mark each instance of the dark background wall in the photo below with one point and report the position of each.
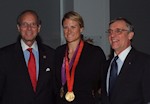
(48, 10)
(138, 12)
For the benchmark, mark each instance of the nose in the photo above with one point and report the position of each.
(69, 30)
(29, 27)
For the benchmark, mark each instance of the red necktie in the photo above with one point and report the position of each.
(32, 68)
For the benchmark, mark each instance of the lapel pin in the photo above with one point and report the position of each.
(44, 57)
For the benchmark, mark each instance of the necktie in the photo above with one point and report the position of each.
(32, 68)
(113, 74)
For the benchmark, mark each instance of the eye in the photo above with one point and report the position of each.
(118, 31)
(73, 27)
(23, 24)
(109, 31)
(33, 25)
(65, 27)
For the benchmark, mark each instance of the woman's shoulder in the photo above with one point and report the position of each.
(61, 47)
(90, 46)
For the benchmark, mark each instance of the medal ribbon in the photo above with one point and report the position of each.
(70, 78)
(63, 74)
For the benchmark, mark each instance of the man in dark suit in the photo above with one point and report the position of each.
(131, 83)
(15, 79)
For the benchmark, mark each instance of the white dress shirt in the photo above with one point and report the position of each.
(120, 61)
(27, 54)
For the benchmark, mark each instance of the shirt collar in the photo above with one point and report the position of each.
(124, 53)
(25, 47)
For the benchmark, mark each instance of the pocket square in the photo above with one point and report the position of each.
(48, 69)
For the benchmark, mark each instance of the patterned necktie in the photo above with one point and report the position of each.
(32, 68)
(113, 74)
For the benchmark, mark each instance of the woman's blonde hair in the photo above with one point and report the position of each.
(73, 16)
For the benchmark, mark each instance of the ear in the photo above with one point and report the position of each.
(39, 28)
(18, 28)
(130, 35)
(81, 30)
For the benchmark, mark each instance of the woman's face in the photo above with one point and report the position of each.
(72, 30)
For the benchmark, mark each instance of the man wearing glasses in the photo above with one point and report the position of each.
(26, 66)
(126, 75)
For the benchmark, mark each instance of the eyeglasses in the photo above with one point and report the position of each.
(116, 31)
(25, 25)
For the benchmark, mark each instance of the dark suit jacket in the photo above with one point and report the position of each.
(15, 84)
(133, 82)
(87, 74)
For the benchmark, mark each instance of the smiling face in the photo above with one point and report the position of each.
(119, 41)
(28, 27)
(72, 30)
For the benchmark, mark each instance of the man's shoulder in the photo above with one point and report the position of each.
(8, 47)
(46, 49)
(140, 54)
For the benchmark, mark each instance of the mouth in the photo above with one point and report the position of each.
(114, 40)
(29, 34)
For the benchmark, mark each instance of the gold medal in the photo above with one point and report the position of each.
(70, 96)
(61, 91)
(70, 75)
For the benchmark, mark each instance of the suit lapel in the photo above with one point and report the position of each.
(106, 67)
(128, 62)
(125, 68)
(22, 67)
(59, 58)
(105, 71)
(42, 61)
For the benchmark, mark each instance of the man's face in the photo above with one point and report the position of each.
(28, 28)
(119, 36)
